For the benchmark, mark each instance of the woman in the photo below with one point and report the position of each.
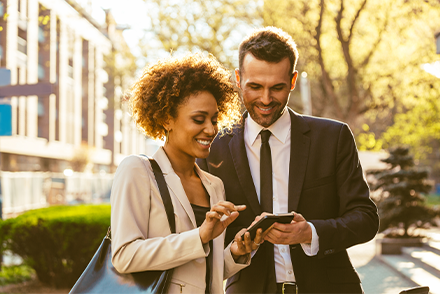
(184, 100)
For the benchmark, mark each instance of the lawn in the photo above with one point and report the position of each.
(433, 200)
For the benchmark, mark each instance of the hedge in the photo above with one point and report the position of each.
(57, 242)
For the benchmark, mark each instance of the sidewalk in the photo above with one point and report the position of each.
(376, 277)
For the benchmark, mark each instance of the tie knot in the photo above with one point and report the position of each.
(265, 134)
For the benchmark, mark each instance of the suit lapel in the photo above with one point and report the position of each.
(241, 164)
(299, 155)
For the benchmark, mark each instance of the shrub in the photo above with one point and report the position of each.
(57, 242)
(15, 274)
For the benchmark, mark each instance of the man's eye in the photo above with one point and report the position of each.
(278, 88)
(254, 87)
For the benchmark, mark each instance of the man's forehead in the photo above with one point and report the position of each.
(256, 70)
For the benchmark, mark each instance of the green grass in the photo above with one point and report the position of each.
(432, 200)
(15, 274)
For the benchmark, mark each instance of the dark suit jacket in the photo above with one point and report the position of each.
(326, 185)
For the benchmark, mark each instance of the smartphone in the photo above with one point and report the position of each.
(268, 220)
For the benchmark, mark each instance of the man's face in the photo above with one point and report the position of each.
(265, 88)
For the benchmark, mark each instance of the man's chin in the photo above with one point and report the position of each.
(265, 121)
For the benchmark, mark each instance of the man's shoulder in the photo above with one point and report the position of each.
(322, 123)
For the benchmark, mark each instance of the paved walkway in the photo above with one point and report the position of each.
(377, 277)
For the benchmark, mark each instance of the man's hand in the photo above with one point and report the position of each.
(298, 231)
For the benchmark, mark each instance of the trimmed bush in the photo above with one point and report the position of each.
(57, 242)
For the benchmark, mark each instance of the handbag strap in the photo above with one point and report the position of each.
(164, 193)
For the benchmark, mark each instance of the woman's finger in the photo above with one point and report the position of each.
(258, 239)
(221, 209)
(210, 215)
(239, 242)
(248, 242)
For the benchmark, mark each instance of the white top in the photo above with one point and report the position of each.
(280, 149)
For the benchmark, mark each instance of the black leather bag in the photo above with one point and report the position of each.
(100, 276)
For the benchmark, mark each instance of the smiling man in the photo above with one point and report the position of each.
(278, 161)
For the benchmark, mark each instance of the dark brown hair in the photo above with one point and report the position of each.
(270, 44)
(165, 85)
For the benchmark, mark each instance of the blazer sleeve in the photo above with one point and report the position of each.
(132, 249)
(358, 220)
(230, 266)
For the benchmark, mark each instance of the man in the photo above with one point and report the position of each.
(311, 168)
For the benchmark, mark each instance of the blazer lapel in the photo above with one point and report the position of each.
(299, 155)
(174, 183)
(241, 164)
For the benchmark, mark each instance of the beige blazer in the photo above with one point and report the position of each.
(141, 237)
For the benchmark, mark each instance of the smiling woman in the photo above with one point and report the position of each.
(187, 100)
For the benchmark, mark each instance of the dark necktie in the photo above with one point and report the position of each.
(266, 190)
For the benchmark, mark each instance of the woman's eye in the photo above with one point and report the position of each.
(198, 121)
(214, 122)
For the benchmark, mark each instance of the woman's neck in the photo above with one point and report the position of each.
(182, 164)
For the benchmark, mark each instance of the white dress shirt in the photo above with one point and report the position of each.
(280, 150)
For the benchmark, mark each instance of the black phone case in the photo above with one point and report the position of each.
(269, 220)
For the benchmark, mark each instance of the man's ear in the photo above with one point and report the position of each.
(293, 81)
(237, 77)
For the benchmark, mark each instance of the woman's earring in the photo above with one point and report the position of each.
(167, 136)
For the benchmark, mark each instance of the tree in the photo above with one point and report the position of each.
(215, 26)
(398, 191)
(363, 57)
(419, 128)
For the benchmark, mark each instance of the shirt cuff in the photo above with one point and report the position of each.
(312, 248)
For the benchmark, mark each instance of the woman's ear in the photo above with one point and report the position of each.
(237, 77)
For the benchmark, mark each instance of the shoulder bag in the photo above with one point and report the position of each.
(100, 276)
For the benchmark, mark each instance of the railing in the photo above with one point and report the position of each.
(22, 191)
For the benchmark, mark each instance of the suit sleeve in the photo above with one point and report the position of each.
(132, 249)
(358, 220)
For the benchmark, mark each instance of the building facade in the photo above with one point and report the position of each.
(83, 121)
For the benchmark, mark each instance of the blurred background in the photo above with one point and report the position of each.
(65, 64)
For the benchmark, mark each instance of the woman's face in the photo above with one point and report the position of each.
(195, 126)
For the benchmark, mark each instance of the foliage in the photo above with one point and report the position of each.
(398, 192)
(57, 242)
(81, 158)
(216, 27)
(419, 128)
(15, 274)
(363, 57)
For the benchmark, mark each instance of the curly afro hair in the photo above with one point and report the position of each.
(165, 85)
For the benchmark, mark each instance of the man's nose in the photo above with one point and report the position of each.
(266, 97)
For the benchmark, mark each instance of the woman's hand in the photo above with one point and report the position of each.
(213, 226)
(244, 246)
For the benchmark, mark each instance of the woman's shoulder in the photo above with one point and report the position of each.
(134, 164)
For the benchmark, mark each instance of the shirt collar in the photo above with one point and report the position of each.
(280, 128)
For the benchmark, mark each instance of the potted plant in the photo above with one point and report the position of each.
(398, 192)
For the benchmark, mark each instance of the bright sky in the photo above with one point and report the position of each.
(130, 12)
